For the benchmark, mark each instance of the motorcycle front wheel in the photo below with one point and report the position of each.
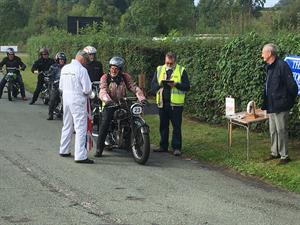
(15, 91)
(140, 146)
(45, 100)
(9, 90)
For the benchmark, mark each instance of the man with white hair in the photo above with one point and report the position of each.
(279, 97)
(76, 86)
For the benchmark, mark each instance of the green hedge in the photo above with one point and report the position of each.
(217, 67)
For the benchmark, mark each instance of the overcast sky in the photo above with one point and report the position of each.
(269, 3)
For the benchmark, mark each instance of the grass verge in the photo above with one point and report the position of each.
(205, 142)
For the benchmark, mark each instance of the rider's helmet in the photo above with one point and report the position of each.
(10, 51)
(60, 55)
(90, 50)
(44, 51)
(117, 61)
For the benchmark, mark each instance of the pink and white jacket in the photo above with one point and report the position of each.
(114, 88)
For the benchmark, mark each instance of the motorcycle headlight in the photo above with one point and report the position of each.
(136, 109)
(92, 95)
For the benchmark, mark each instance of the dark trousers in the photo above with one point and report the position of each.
(19, 80)
(38, 89)
(174, 114)
(107, 116)
(54, 100)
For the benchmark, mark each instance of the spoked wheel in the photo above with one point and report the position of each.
(15, 91)
(45, 101)
(141, 146)
(9, 90)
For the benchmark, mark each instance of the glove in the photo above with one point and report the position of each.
(109, 104)
(145, 102)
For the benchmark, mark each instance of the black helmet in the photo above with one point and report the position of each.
(60, 55)
(44, 51)
(10, 51)
(117, 61)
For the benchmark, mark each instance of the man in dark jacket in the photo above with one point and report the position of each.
(54, 75)
(94, 66)
(41, 65)
(279, 97)
(13, 61)
(170, 83)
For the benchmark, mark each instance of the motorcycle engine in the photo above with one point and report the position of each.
(120, 114)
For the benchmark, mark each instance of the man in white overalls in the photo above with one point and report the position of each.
(76, 86)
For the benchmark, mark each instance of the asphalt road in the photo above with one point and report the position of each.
(38, 187)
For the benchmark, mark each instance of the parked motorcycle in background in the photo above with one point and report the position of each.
(129, 131)
(45, 93)
(12, 86)
(58, 111)
(95, 107)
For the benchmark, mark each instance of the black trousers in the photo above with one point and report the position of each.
(38, 89)
(54, 100)
(107, 116)
(174, 114)
(19, 80)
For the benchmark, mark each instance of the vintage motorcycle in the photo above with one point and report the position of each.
(128, 130)
(12, 86)
(95, 107)
(45, 92)
(58, 111)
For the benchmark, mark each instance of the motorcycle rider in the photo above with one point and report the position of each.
(95, 71)
(41, 65)
(112, 88)
(11, 60)
(54, 74)
(94, 66)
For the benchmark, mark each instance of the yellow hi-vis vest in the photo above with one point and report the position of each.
(177, 96)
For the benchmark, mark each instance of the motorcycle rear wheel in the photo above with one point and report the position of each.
(141, 147)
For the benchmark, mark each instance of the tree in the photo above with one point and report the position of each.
(12, 17)
(106, 9)
(224, 14)
(158, 17)
(289, 14)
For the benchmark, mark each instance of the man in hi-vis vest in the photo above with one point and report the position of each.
(170, 83)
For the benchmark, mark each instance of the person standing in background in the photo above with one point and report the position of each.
(279, 97)
(170, 84)
(41, 65)
(94, 66)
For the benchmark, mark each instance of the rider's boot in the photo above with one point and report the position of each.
(50, 117)
(98, 153)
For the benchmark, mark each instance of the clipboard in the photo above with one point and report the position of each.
(167, 81)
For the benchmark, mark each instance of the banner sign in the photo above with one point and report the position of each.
(5, 47)
(294, 64)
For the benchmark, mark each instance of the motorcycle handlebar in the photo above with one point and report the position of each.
(95, 82)
(125, 99)
(12, 68)
(130, 98)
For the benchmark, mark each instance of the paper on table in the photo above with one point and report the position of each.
(229, 106)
